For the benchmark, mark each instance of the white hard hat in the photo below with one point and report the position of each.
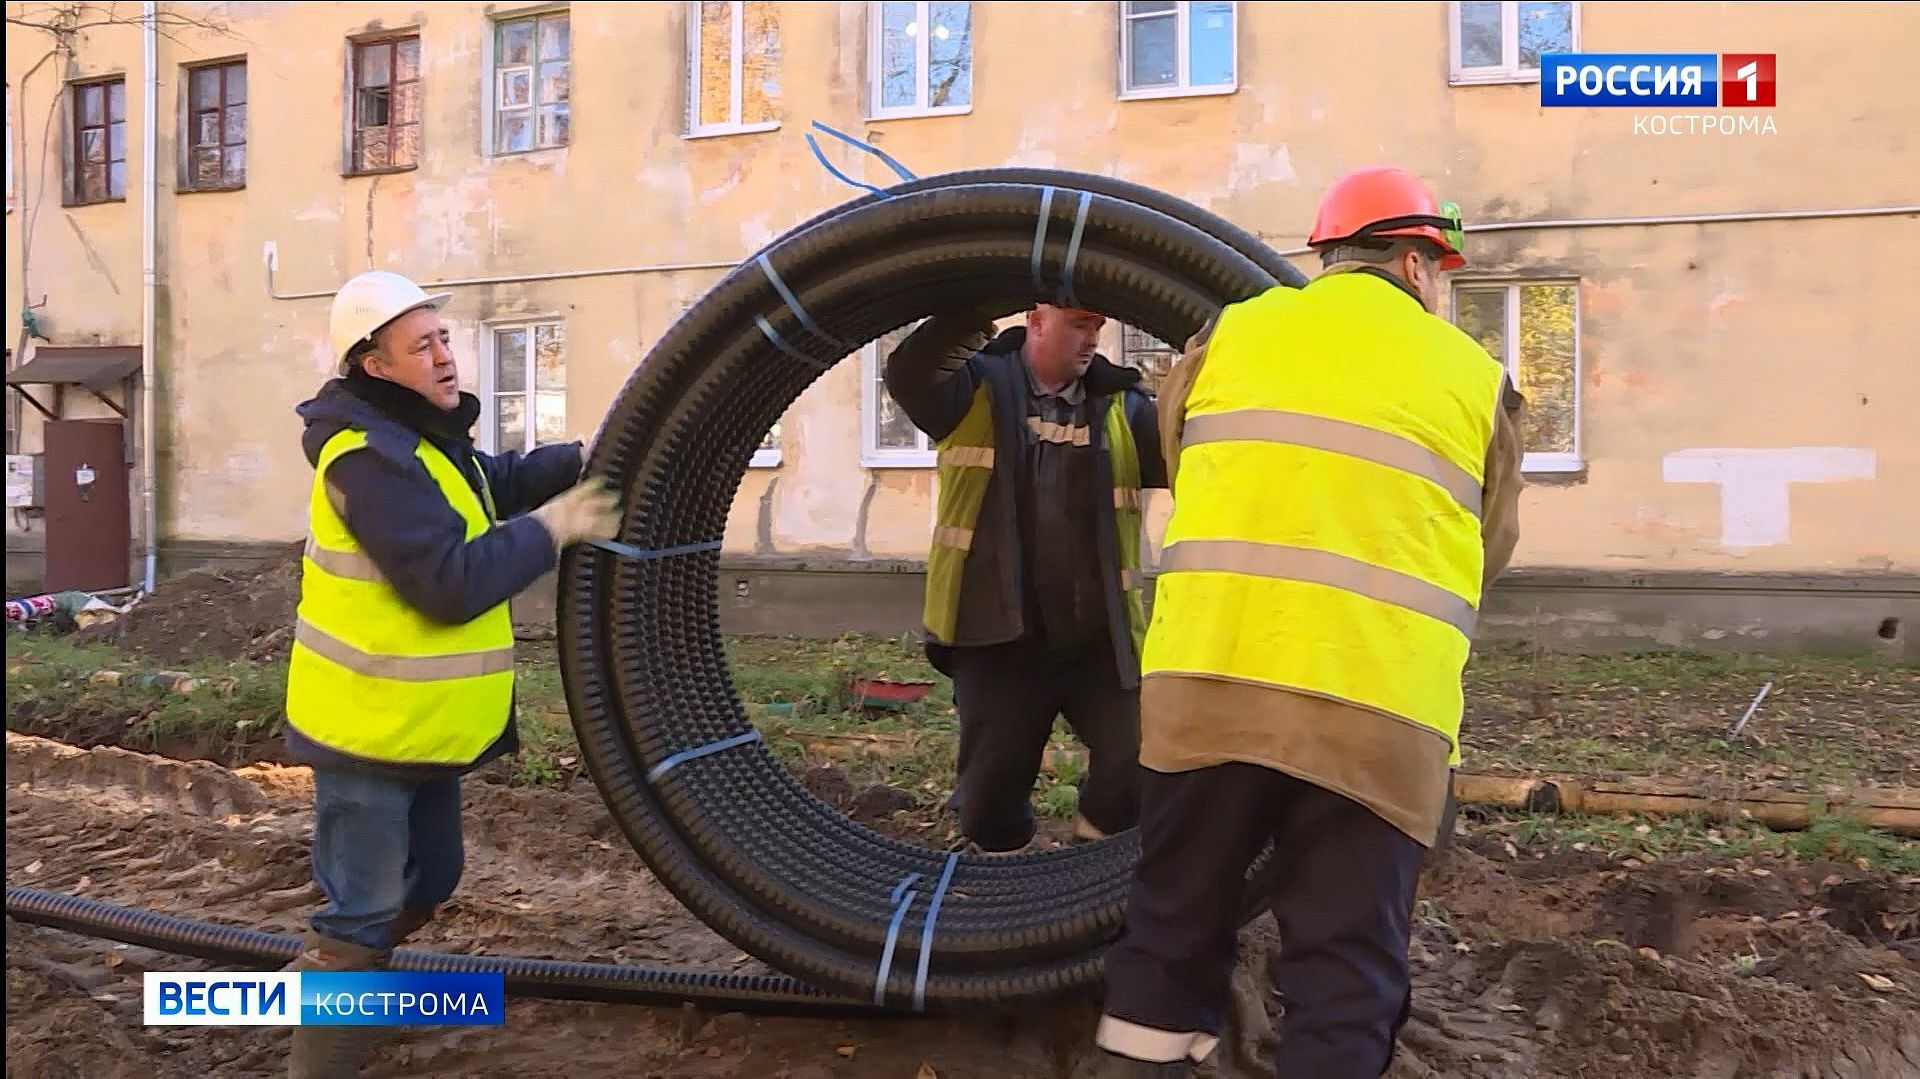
(370, 301)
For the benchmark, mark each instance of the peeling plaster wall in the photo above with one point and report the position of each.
(1697, 342)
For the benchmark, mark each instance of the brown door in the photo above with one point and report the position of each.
(89, 517)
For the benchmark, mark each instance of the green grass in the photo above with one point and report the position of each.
(1829, 719)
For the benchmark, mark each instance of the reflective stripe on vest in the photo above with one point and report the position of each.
(372, 677)
(1325, 535)
(966, 459)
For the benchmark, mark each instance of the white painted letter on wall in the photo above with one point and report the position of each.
(1754, 502)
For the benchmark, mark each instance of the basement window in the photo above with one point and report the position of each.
(526, 387)
(97, 169)
(1533, 328)
(1496, 41)
(733, 67)
(385, 122)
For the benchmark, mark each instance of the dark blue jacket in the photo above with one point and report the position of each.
(416, 538)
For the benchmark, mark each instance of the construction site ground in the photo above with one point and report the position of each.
(1622, 947)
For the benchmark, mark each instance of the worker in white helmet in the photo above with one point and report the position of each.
(401, 677)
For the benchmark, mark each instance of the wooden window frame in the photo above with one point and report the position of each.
(1550, 461)
(736, 60)
(490, 393)
(76, 138)
(189, 126)
(872, 454)
(391, 41)
(490, 88)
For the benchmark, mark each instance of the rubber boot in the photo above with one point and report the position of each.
(331, 1052)
(407, 925)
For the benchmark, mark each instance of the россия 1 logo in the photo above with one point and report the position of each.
(1665, 80)
(1657, 79)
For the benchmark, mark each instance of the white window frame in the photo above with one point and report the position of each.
(1532, 462)
(1509, 69)
(736, 58)
(876, 43)
(767, 456)
(1183, 20)
(490, 376)
(873, 455)
(490, 79)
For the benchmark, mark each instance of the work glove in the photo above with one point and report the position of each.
(587, 511)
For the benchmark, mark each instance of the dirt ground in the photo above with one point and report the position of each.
(1527, 962)
(230, 614)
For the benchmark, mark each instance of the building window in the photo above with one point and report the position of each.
(733, 62)
(528, 391)
(386, 104)
(531, 76)
(888, 439)
(921, 59)
(1503, 40)
(767, 453)
(99, 165)
(1170, 49)
(1149, 355)
(1533, 328)
(216, 139)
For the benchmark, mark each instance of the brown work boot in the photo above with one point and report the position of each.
(331, 1052)
(1100, 1064)
(407, 925)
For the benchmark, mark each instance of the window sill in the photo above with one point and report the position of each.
(351, 173)
(209, 190)
(77, 203)
(918, 114)
(732, 129)
(1159, 93)
(765, 459)
(1493, 78)
(534, 151)
(903, 460)
(1553, 470)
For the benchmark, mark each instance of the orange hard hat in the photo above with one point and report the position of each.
(1386, 201)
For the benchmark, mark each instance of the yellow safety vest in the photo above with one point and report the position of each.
(1325, 535)
(372, 677)
(965, 464)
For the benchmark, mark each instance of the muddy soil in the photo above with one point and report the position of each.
(225, 614)
(1564, 964)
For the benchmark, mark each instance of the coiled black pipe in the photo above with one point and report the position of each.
(550, 979)
(734, 837)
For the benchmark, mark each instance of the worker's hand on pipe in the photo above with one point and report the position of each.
(587, 511)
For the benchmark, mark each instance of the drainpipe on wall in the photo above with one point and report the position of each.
(149, 196)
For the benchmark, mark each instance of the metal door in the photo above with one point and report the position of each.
(89, 515)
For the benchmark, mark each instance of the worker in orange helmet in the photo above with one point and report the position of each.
(1345, 469)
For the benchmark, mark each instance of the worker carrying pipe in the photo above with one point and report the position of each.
(401, 677)
(1346, 470)
(1033, 597)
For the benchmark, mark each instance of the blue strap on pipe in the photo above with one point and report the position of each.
(793, 303)
(686, 755)
(628, 550)
(820, 156)
(902, 886)
(773, 335)
(893, 937)
(926, 933)
(1040, 238)
(1073, 250)
(886, 158)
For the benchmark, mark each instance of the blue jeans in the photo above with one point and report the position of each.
(381, 846)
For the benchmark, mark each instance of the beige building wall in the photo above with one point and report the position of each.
(1746, 389)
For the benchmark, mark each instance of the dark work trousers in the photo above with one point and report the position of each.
(1007, 697)
(1343, 902)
